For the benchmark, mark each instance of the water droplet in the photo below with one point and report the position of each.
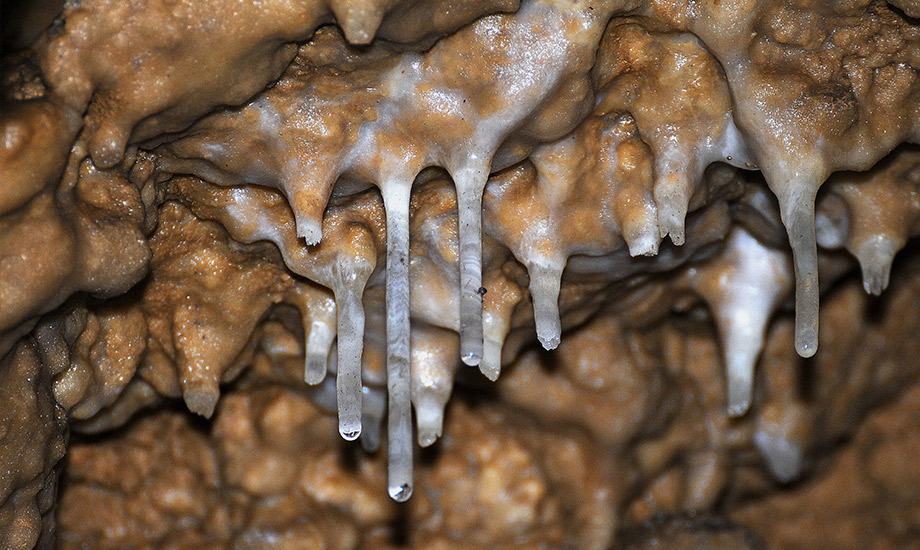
(401, 493)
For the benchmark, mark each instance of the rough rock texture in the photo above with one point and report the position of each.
(34, 440)
(292, 219)
(870, 486)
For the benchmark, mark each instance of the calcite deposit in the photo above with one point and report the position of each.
(459, 274)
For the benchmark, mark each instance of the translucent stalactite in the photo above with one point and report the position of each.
(797, 205)
(350, 343)
(545, 277)
(743, 286)
(320, 333)
(470, 183)
(399, 422)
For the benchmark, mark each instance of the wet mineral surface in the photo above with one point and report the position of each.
(479, 274)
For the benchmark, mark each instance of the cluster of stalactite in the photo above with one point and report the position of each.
(386, 191)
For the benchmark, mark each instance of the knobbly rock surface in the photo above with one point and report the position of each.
(575, 274)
